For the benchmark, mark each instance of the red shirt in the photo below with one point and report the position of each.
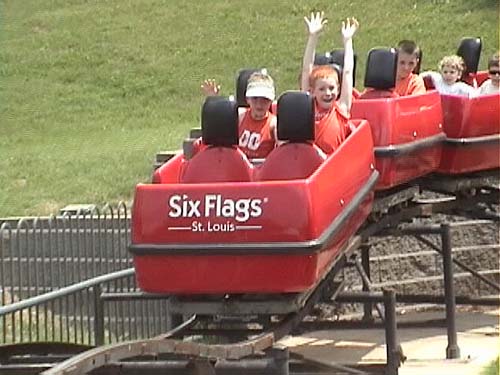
(256, 136)
(331, 128)
(411, 85)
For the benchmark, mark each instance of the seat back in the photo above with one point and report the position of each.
(416, 70)
(221, 160)
(380, 75)
(469, 49)
(322, 58)
(297, 158)
(336, 59)
(428, 82)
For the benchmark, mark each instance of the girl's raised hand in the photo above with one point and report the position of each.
(210, 88)
(349, 27)
(316, 22)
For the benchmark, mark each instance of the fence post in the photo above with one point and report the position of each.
(98, 316)
(452, 350)
(391, 340)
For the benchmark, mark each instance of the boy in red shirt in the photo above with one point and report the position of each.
(332, 93)
(257, 125)
(407, 82)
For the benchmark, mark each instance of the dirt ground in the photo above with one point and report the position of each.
(424, 347)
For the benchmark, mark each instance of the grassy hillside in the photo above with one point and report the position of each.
(90, 90)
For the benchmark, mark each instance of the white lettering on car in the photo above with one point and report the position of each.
(215, 206)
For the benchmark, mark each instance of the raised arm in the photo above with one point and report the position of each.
(349, 27)
(210, 88)
(314, 26)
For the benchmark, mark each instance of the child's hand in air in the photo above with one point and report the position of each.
(315, 23)
(349, 27)
(210, 87)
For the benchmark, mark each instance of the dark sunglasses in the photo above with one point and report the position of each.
(494, 72)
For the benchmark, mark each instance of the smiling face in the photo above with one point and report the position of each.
(325, 91)
(450, 74)
(406, 63)
(259, 107)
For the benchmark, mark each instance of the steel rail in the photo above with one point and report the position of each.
(65, 291)
(165, 344)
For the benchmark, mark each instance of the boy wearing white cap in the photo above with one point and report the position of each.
(257, 125)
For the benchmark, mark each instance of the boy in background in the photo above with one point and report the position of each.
(407, 82)
(492, 85)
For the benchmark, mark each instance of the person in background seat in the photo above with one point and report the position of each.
(257, 125)
(447, 80)
(407, 82)
(492, 85)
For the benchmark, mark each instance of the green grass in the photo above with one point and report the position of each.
(90, 90)
(493, 368)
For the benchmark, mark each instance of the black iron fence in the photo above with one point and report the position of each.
(50, 257)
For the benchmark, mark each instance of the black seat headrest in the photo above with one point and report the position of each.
(219, 121)
(241, 85)
(469, 49)
(337, 57)
(322, 58)
(381, 66)
(416, 70)
(295, 117)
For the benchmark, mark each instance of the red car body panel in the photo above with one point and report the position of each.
(250, 237)
(407, 134)
(472, 127)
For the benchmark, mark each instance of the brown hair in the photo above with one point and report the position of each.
(409, 47)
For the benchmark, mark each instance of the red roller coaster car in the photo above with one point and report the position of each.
(407, 131)
(215, 223)
(255, 229)
(472, 127)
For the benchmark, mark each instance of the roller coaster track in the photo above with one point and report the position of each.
(244, 343)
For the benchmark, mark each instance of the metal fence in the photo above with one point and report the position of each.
(42, 253)
(49, 254)
(77, 314)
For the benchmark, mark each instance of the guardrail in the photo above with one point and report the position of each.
(83, 316)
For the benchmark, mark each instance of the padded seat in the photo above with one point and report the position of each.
(291, 161)
(429, 84)
(218, 164)
(298, 158)
(221, 160)
(469, 49)
(380, 75)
